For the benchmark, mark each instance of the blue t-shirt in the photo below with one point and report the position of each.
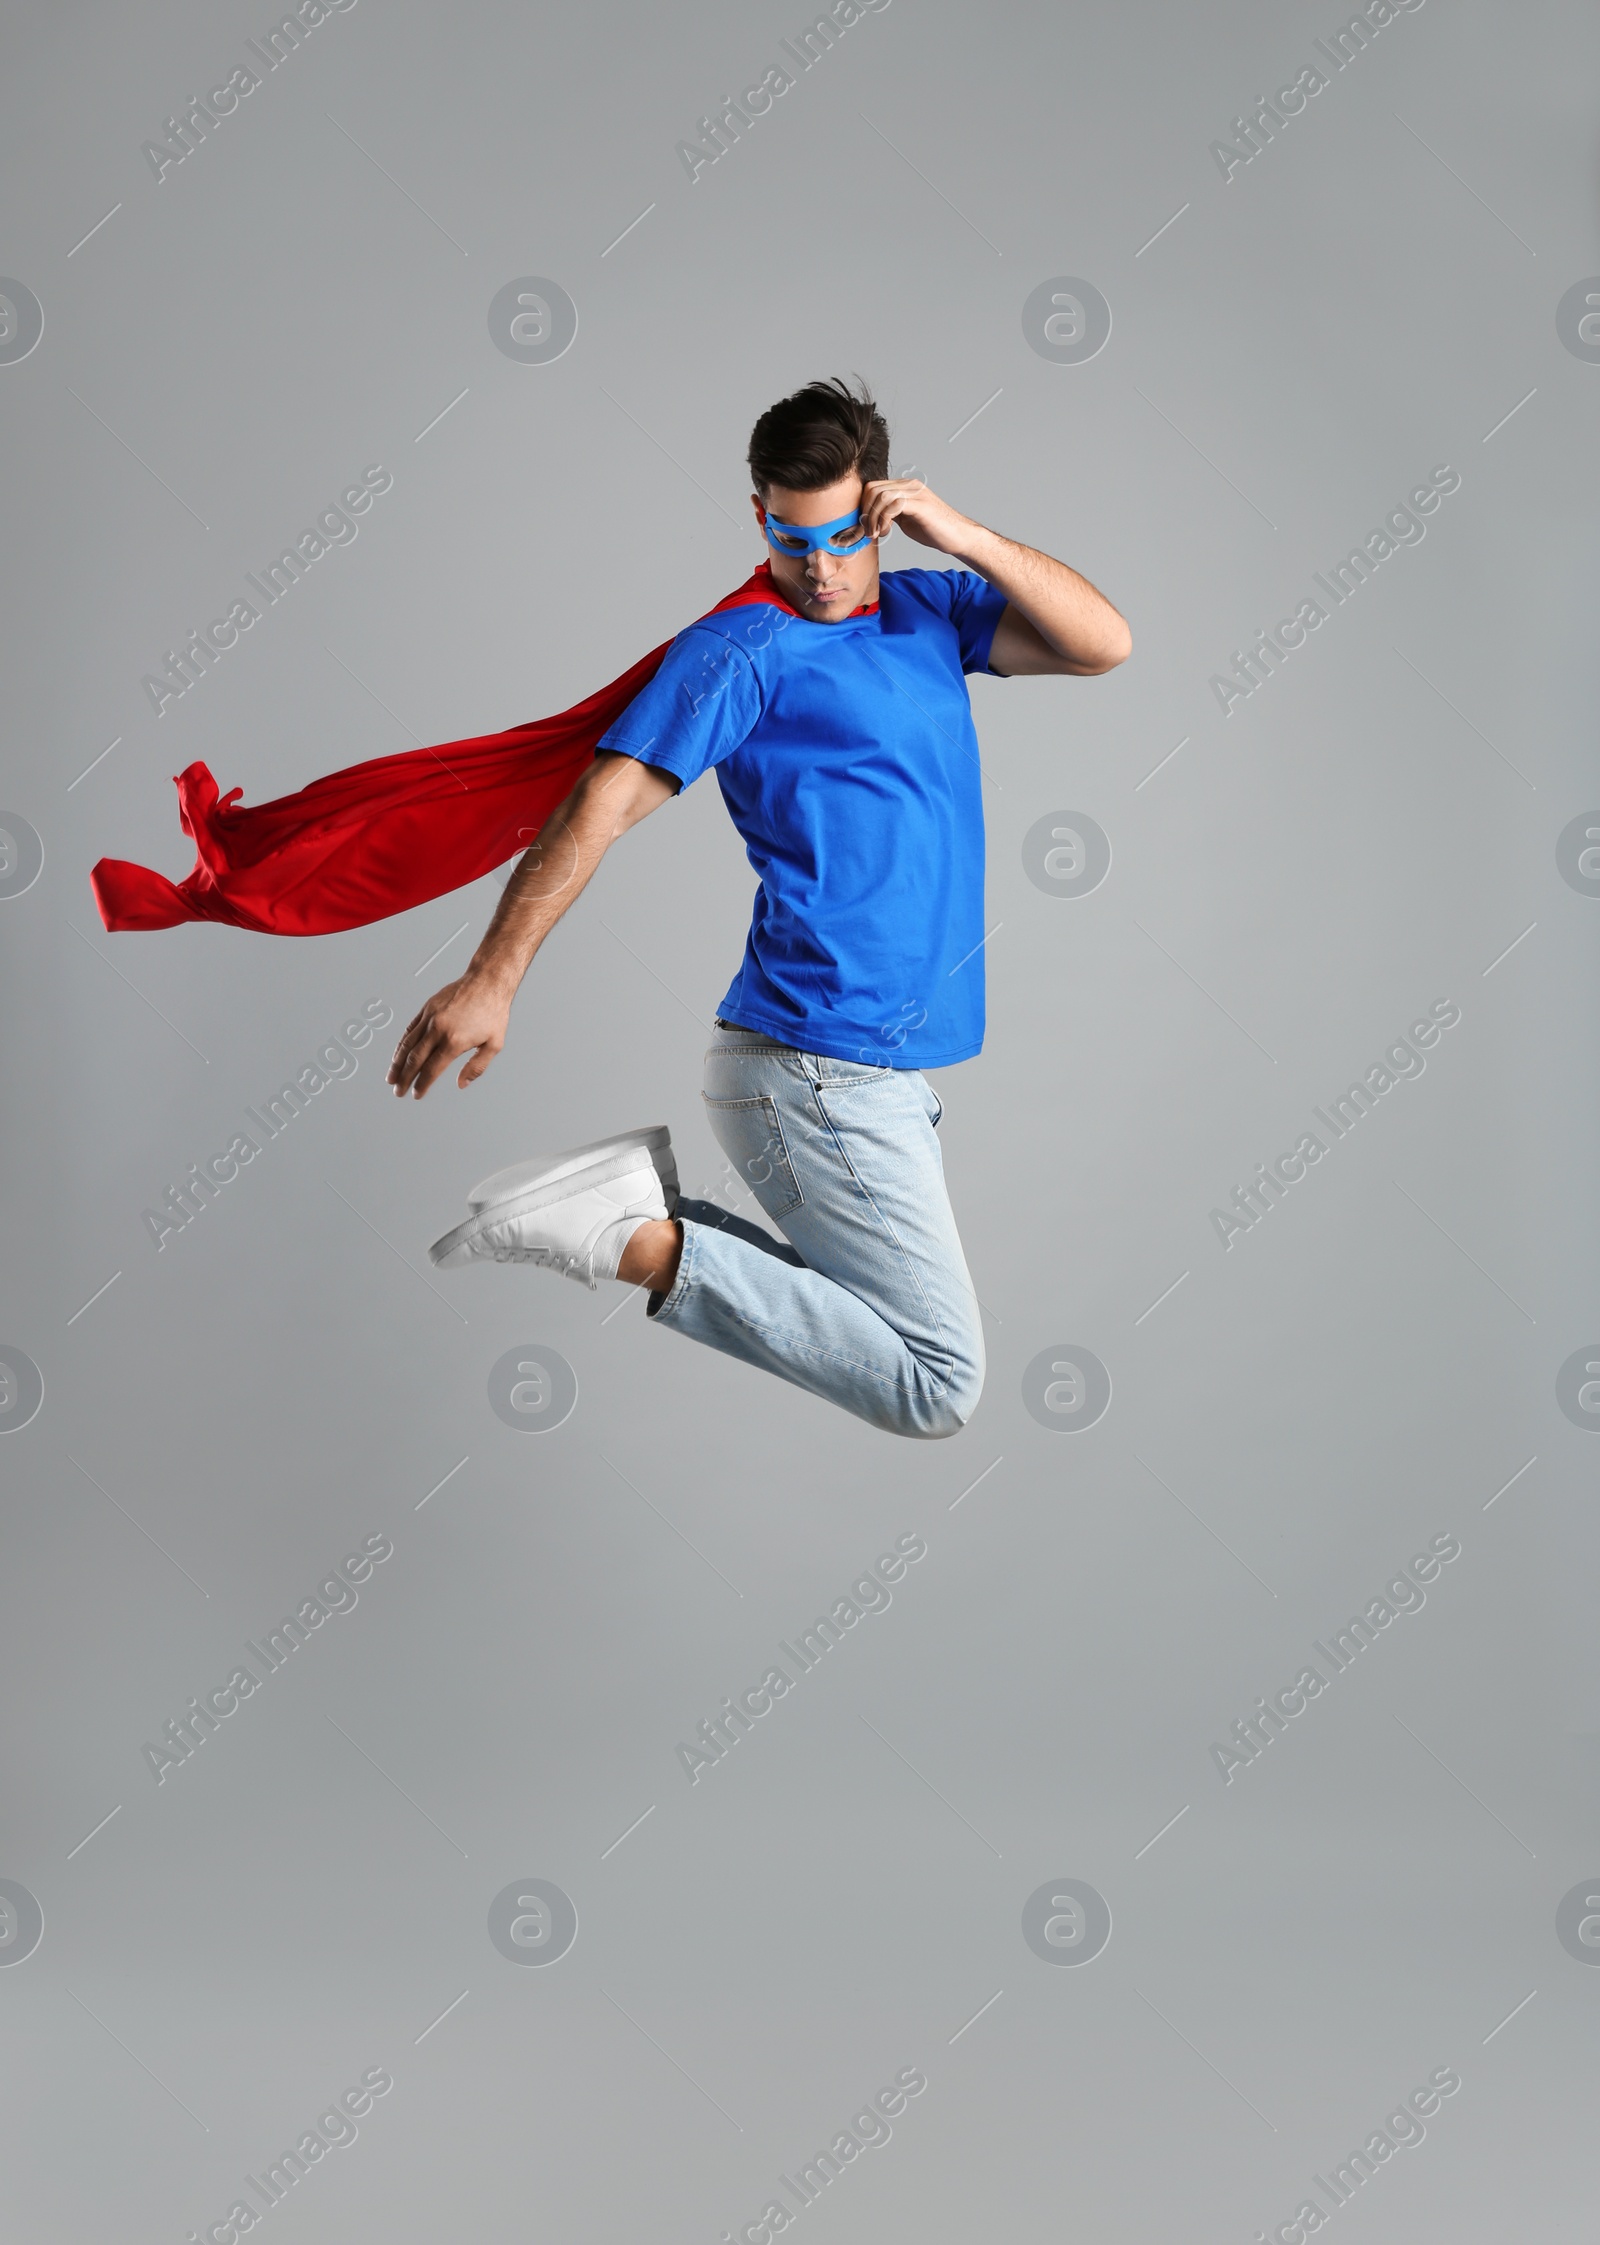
(848, 761)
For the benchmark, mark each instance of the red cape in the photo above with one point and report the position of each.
(383, 836)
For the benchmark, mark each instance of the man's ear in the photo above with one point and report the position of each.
(761, 512)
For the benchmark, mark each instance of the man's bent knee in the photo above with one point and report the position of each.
(932, 1413)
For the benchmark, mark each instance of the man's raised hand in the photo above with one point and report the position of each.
(465, 1016)
(919, 512)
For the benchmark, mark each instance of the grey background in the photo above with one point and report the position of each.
(306, 295)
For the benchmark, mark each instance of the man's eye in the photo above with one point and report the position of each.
(790, 545)
(849, 537)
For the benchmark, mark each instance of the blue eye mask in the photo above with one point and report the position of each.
(804, 538)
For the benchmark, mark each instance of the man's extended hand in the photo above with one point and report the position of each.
(471, 1015)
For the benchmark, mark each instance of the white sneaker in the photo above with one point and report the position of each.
(507, 1184)
(573, 1212)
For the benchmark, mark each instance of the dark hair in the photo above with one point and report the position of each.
(822, 433)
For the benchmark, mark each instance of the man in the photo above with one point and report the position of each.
(838, 722)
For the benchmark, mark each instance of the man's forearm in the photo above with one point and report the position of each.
(545, 881)
(1068, 612)
(471, 1014)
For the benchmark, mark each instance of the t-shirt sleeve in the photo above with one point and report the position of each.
(970, 603)
(700, 706)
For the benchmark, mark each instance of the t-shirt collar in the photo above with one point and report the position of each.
(763, 569)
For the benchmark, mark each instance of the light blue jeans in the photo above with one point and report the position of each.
(871, 1306)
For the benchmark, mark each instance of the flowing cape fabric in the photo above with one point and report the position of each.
(380, 837)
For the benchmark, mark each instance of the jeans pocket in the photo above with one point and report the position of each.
(751, 1135)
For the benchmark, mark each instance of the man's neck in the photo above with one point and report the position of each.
(867, 605)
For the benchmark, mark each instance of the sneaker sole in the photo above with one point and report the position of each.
(454, 1248)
